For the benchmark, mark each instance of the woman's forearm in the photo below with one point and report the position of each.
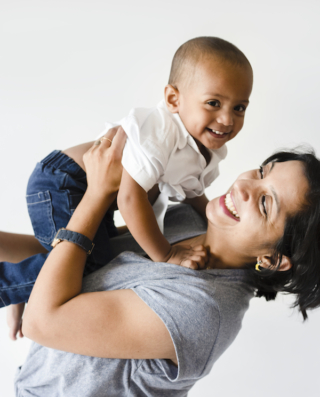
(63, 270)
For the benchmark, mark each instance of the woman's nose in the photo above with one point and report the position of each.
(225, 117)
(245, 189)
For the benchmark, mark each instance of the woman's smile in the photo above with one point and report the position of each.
(227, 205)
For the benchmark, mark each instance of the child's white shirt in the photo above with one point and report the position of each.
(159, 150)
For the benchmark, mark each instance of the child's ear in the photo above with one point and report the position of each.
(171, 96)
(266, 263)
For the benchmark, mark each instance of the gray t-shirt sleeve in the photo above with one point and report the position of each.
(191, 316)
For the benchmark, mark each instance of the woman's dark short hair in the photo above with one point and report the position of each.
(300, 242)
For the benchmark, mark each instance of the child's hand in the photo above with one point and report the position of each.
(14, 320)
(188, 256)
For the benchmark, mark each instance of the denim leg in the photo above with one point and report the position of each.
(17, 279)
(49, 200)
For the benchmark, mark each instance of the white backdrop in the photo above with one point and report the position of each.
(67, 66)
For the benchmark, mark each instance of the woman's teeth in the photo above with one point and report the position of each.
(230, 206)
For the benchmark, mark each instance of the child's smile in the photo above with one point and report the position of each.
(218, 134)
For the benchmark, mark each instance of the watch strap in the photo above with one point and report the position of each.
(73, 237)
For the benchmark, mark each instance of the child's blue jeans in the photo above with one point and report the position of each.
(54, 190)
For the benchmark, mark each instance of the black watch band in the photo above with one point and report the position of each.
(73, 237)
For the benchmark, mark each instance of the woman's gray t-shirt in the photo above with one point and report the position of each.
(202, 311)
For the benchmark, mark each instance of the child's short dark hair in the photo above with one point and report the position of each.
(194, 50)
(300, 242)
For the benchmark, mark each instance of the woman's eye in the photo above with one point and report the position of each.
(263, 201)
(214, 103)
(240, 108)
(261, 171)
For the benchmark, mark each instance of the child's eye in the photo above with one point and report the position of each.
(240, 108)
(214, 103)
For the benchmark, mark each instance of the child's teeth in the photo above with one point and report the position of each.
(217, 132)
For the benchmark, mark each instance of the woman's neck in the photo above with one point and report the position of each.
(220, 256)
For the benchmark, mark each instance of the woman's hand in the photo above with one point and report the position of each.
(103, 164)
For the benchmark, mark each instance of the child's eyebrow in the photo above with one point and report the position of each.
(225, 97)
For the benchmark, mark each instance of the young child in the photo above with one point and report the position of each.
(172, 152)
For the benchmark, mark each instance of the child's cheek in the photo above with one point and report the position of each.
(234, 134)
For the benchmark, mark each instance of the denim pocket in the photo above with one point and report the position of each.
(40, 212)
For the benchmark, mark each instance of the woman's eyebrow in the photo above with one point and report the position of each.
(272, 165)
(276, 199)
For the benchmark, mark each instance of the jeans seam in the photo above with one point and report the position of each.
(49, 212)
(38, 202)
(16, 286)
(4, 303)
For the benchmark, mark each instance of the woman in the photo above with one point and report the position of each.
(154, 329)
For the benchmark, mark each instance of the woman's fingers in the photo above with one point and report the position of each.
(119, 141)
(112, 132)
(103, 162)
(106, 139)
(115, 138)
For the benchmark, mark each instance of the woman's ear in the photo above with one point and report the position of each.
(171, 96)
(266, 263)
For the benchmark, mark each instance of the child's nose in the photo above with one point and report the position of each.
(225, 117)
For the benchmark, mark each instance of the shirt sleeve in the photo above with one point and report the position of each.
(192, 319)
(148, 147)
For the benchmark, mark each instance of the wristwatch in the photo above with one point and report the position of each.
(73, 237)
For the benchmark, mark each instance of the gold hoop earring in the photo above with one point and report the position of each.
(257, 267)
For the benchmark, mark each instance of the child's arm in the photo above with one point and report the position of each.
(138, 214)
(199, 204)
